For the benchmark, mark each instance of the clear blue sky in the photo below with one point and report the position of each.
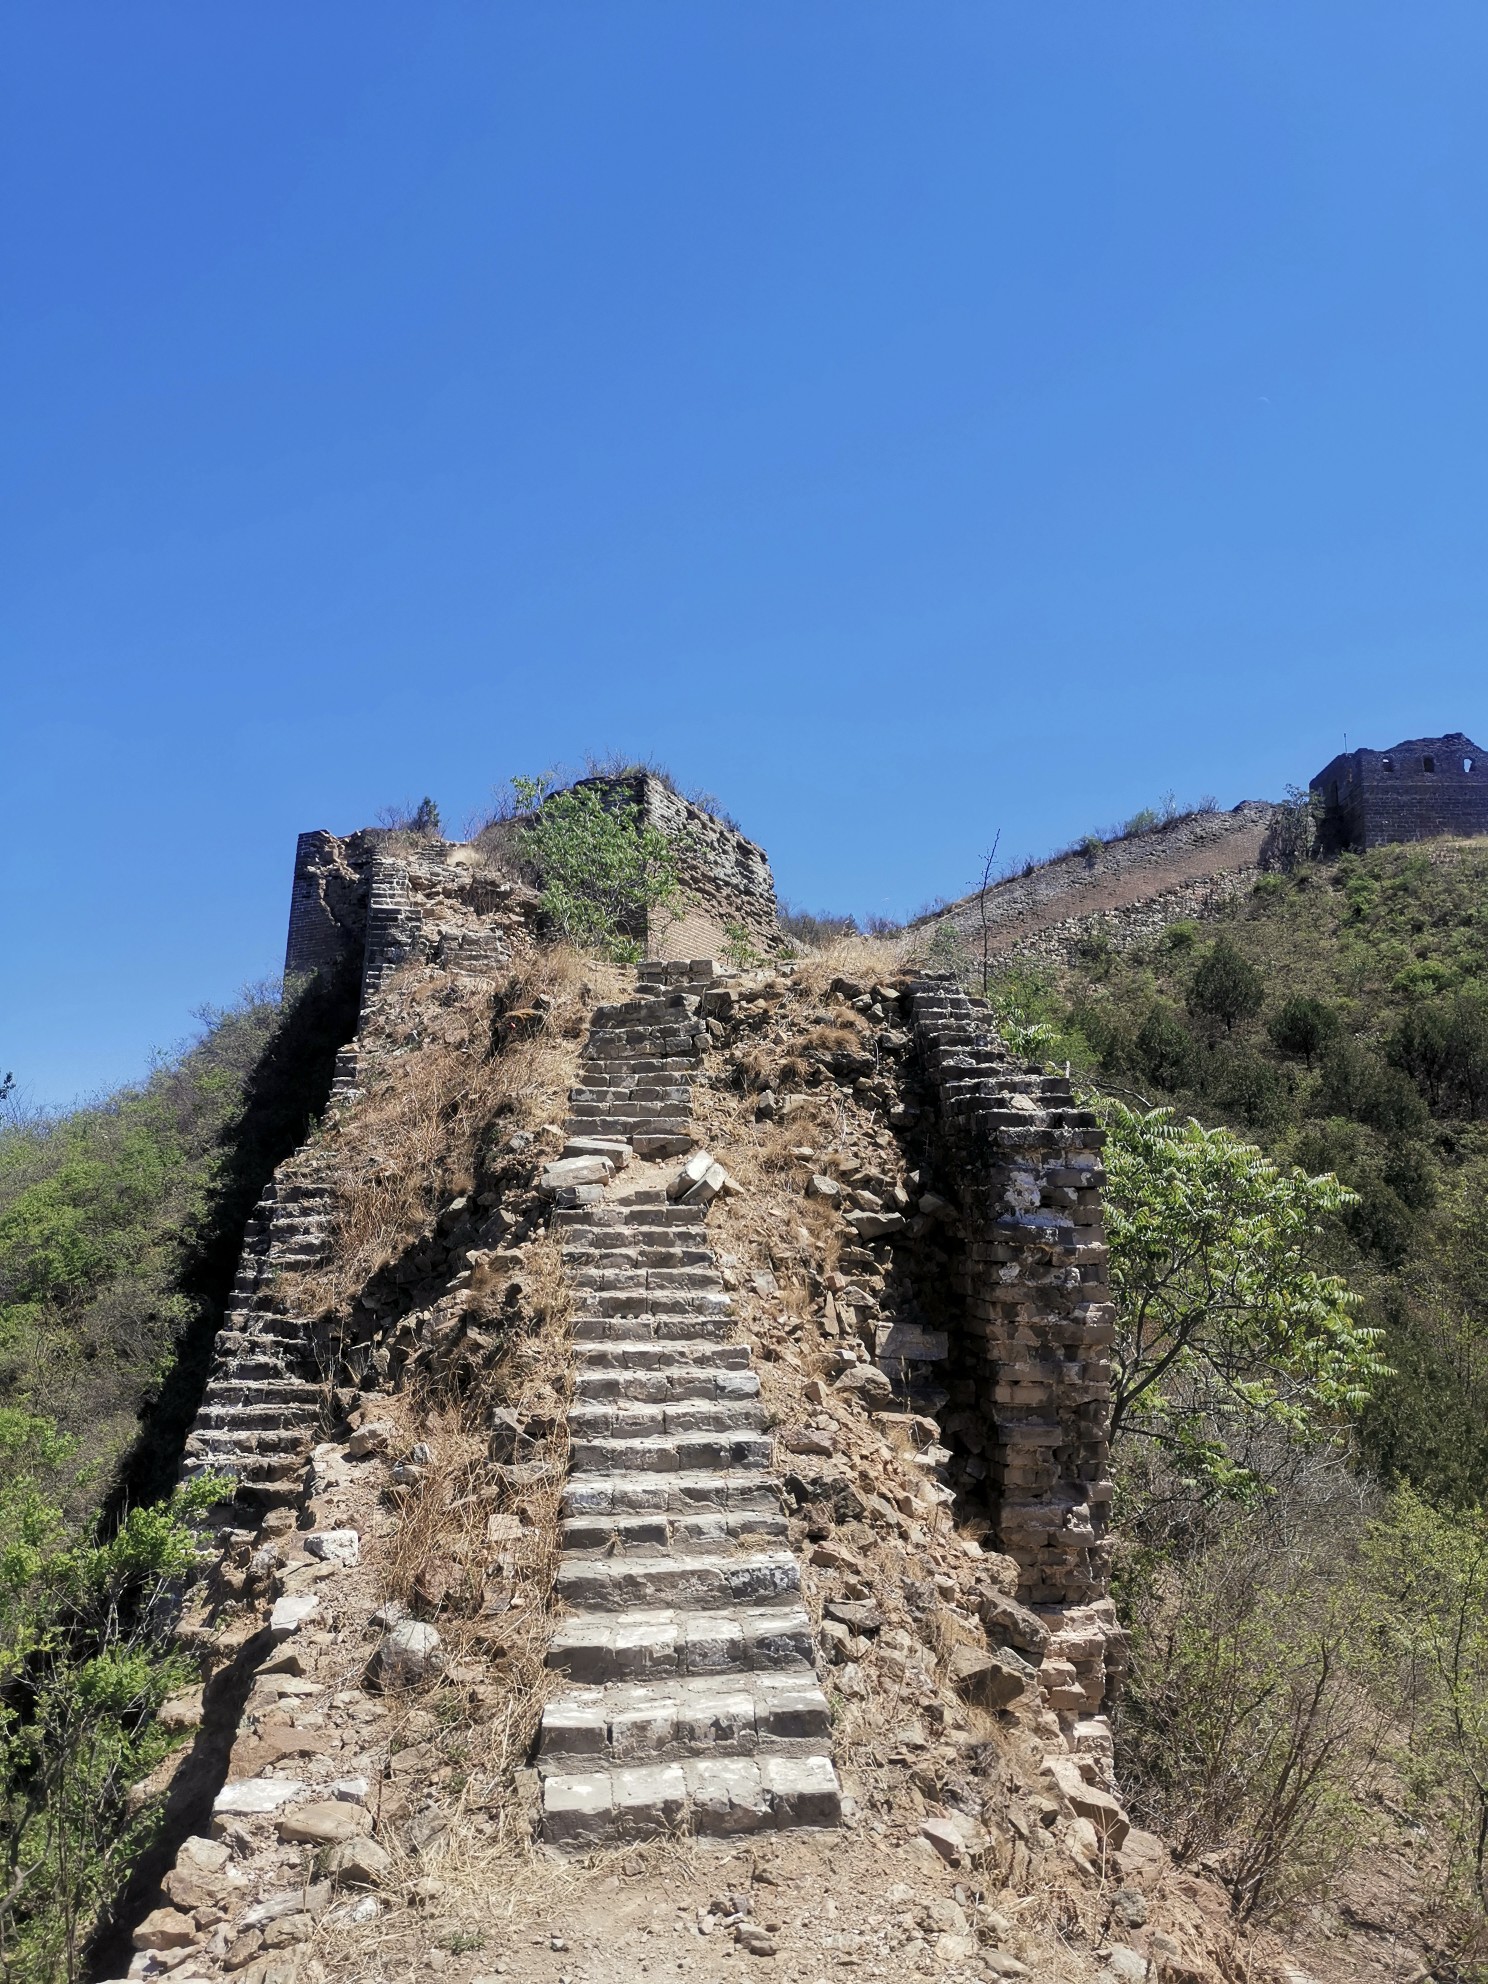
(904, 419)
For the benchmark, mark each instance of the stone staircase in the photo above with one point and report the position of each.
(693, 1702)
(263, 1398)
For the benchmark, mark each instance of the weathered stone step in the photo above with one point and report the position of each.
(648, 1301)
(664, 1280)
(700, 1581)
(648, 1354)
(670, 1326)
(705, 1529)
(676, 1453)
(665, 1384)
(229, 1440)
(663, 1641)
(671, 1253)
(627, 1419)
(713, 1797)
(232, 1416)
(626, 1093)
(642, 1211)
(629, 1723)
(687, 1491)
(234, 1387)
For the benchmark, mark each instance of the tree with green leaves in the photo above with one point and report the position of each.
(1304, 1026)
(1226, 987)
(1224, 1325)
(603, 867)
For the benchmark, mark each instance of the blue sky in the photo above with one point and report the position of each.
(907, 420)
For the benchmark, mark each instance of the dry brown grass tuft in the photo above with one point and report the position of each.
(436, 1085)
(871, 960)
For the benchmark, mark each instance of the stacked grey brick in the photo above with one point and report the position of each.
(1031, 1368)
(264, 1395)
(693, 1699)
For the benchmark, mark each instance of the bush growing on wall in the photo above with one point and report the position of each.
(603, 867)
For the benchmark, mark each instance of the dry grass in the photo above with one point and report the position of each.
(436, 1086)
(871, 960)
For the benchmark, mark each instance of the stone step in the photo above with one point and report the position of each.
(665, 1384)
(253, 1329)
(638, 1213)
(620, 1092)
(712, 1797)
(636, 1419)
(698, 1581)
(231, 1416)
(277, 1388)
(613, 1256)
(667, 1327)
(686, 1491)
(593, 1280)
(226, 1441)
(705, 1529)
(629, 1723)
(253, 1367)
(263, 1477)
(612, 1302)
(672, 1453)
(662, 1641)
(649, 1355)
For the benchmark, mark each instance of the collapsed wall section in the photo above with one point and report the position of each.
(400, 902)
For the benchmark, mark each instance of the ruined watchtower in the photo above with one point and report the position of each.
(1414, 791)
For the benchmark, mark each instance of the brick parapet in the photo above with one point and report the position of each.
(1032, 1354)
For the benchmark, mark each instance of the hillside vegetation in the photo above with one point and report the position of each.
(1308, 1706)
(120, 1225)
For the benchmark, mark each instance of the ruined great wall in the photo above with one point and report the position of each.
(812, 1490)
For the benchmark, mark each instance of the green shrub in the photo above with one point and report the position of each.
(1442, 1044)
(1304, 1026)
(603, 867)
(85, 1662)
(1356, 1082)
(1226, 987)
(1166, 1051)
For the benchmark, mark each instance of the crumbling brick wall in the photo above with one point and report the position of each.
(725, 878)
(392, 897)
(1029, 1358)
(328, 900)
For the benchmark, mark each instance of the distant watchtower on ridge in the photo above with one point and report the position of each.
(1414, 791)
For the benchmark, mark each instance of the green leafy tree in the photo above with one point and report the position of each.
(1356, 1082)
(1442, 1044)
(1226, 987)
(1224, 1326)
(1304, 1026)
(603, 867)
(1167, 1051)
